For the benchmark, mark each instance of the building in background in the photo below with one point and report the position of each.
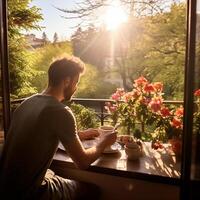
(35, 42)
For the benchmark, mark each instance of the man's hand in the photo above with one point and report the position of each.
(108, 138)
(88, 134)
(84, 157)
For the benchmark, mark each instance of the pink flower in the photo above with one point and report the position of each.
(116, 97)
(113, 108)
(110, 107)
(165, 112)
(141, 81)
(128, 96)
(149, 88)
(179, 112)
(177, 123)
(158, 86)
(120, 91)
(197, 93)
(107, 105)
(118, 94)
(155, 104)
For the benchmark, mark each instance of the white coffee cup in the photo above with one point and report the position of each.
(105, 130)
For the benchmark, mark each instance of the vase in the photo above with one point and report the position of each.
(176, 146)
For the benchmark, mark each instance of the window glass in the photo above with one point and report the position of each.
(134, 52)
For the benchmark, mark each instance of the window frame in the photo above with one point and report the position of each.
(185, 180)
(4, 66)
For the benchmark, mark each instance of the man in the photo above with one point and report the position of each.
(37, 126)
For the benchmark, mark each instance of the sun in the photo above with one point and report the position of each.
(114, 16)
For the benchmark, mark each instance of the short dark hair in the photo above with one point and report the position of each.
(64, 67)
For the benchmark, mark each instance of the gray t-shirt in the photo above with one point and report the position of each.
(37, 126)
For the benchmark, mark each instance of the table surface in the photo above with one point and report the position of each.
(153, 162)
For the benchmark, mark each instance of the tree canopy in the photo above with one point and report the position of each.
(21, 17)
(150, 43)
(153, 46)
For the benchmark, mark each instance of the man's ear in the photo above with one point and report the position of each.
(67, 81)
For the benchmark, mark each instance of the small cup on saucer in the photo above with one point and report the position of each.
(133, 150)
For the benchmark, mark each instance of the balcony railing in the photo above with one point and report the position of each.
(97, 104)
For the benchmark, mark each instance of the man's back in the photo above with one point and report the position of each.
(30, 145)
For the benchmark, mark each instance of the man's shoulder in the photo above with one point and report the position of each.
(59, 110)
(66, 110)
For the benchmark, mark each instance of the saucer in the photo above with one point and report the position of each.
(114, 148)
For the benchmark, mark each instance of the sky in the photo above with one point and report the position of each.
(53, 22)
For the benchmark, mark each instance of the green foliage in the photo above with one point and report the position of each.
(85, 117)
(151, 45)
(21, 17)
(92, 85)
(42, 58)
(159, 52)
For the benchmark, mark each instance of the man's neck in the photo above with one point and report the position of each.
(53, 92)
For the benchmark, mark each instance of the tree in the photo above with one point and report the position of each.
(92, 85)
(91, 45)
(87, 11)
(154, 46)
(151, 43)
(42, 58)
(45, 38)
(21, 17)
(55, 38)
(165, 38)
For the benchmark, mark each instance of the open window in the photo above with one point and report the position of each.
(185, 174)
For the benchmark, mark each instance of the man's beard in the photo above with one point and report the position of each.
(68, 93)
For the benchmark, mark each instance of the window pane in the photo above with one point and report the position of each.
(150, 43)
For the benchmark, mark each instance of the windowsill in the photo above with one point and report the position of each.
(158, 166)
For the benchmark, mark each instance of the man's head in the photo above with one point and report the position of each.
(64, 73)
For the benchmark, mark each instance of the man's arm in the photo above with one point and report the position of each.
(90, 133)
(66, 132)
(84, 157)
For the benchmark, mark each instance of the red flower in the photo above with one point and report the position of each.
(141, 81)
(165, 112)
(158, 86)
(177, 123)
(136, 93)
(197, 93)
(179, 112)
(155, 104)
(149, 88)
